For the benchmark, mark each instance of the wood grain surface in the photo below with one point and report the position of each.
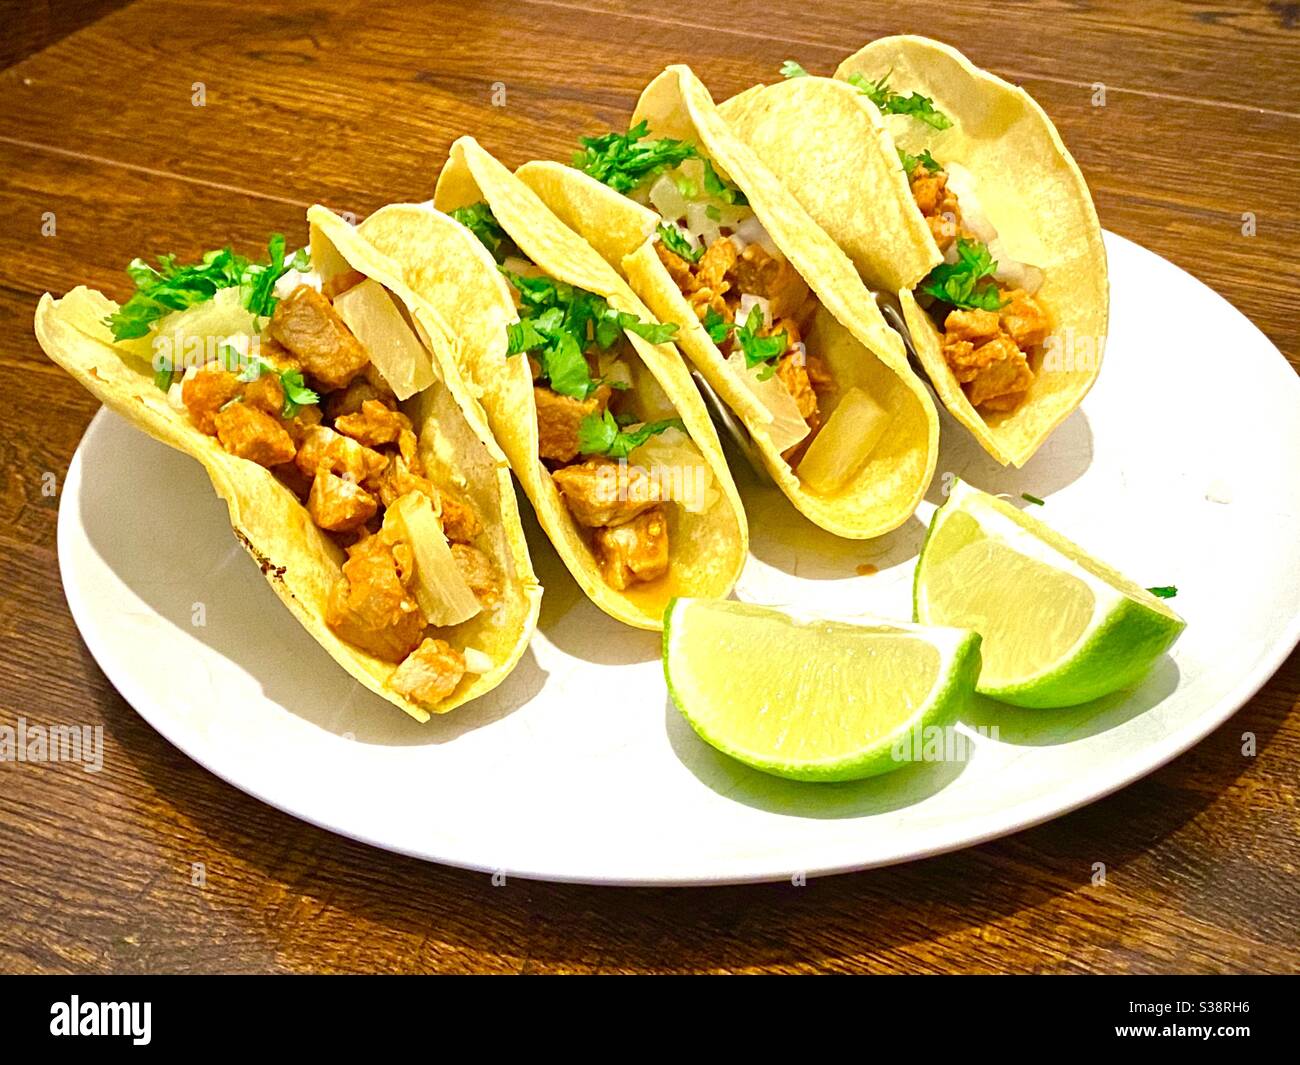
(353, 106)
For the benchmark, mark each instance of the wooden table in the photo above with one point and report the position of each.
(353, 106)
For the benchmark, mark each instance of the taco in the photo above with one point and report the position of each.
(951, 188)
(593, 406)
(770, 310)
(323, 401)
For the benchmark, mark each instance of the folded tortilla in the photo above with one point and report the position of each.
(298, 558)
(849, 332)
(844, 168)
(450, 269)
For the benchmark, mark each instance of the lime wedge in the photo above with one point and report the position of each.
(813, 699)
(1059, 627)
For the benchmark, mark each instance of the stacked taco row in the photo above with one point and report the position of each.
(361, 404)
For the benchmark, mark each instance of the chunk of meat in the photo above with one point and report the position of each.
(304, 418)
(679, 269)
(339, 454)
(253, 434)
(337, 504)
(758, 273)
(396, 479)
(977, 326)
(371, 606)
(367, 385)
(479, 573)
(792, 371)
(306, 324)
(430, 673)
(205, 392)
(996, 374)
(937, 204)
(635, 551)
(1024, 319)
(459, 521)
(600, 492)
(373, 425)
(716, 264)
(558, 418)
(266, 394)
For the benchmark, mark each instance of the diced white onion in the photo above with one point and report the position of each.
(751, 231)
(477, 661)
(748, 302)
(677, 466)
(667, 199)
(700, 224)
(291, 279)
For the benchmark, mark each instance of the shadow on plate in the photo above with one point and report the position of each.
(152, 516)
(859, 798)
(1047, 728)
(1062, 460)
(570, 620)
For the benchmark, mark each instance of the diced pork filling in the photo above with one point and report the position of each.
(430, 673)
(347, 473)
(590, 487)
(987, 351)
(718, 281)
(621, 505)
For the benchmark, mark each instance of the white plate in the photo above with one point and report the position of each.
(1179, 469)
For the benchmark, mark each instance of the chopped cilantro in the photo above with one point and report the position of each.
(911, 162)
(676, 242)
(791, 69)
(720, 189)
(174, 287)
(759, 350)
(559, 323)
(479, 220)
(893, 103)
(716, 326)
(601, 435)
(296, 392)
(968, 282)
(619, 161)
(1163, 591)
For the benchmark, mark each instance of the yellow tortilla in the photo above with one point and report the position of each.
(448, 267)
(844, 169)
(298, 558)
(850, 332)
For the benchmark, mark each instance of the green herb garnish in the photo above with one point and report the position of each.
(718, 188)
(911, 162)
(791, 69)
(676, 242)
(479, 220)
(1031, 499)
(716, 326)
(1163, 591)
(759, 350)
(602, 435)
(558, 323)
(296, 392)
(619, 161)
(893, 103)
(175, 287)
(968, 282)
